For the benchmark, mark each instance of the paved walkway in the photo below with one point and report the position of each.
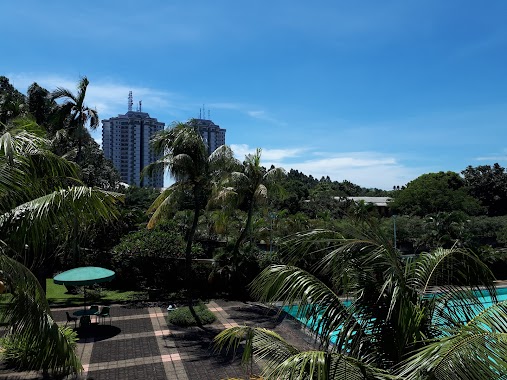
(139, 344)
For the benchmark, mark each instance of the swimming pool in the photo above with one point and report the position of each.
(483, 297)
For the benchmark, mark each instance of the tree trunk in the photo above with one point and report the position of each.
(41, 274)
(188, 251)
(235, 253)
(245, 230)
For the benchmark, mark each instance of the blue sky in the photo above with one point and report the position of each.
(375, 92)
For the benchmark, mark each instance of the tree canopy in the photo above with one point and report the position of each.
(488, 184)
(435, 192)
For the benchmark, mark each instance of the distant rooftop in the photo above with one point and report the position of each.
(377, 201)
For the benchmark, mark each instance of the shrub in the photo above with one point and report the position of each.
(21, 354)
(183, 316)
(224, 277)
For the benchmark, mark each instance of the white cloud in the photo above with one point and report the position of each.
(366, 169)
(275, 155)
(107, 97)
(496, 158)
(246, 109)
(262, 115)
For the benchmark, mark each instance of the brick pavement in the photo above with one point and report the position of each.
(138, 344)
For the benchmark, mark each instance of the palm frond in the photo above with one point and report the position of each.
(164, 206)
(274, 174)
(183, 167)
(261, 193)
(29, 319)
(437, 267)
(450, 282)
(223, 197)
(93, 117)
(473, 353)
(31, 221)
(222, 160)
(315, 303)
(321, 365)
(263, 343)
(162, 141)
(155, 167)
(61, 93)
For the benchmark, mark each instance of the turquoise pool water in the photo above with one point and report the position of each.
(483, 297)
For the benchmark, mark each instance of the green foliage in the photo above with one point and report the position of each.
(235, 273)
(21, 353)
(417, 234)
(392, 312)
(40, 106)
(149, 258)
(96, 170)
(184, 317)
(140, 198)
(186, 158)
(435, 192)
(35, 196)
(11, 101)
(488, 184)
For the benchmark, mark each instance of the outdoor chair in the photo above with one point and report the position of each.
(71, 319)
(105, 313)
(85, 321)
(93, 310)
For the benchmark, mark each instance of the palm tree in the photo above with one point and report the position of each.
(185, 157)
(249, 187)
(35, 200)
(373, 307)
(76, 113)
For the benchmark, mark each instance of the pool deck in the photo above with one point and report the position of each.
(140, 345)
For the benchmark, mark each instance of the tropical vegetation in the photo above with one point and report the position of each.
(185, 157)
(363, 276)
(375, 313)
(39, 193)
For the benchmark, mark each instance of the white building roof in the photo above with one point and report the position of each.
(377, 201)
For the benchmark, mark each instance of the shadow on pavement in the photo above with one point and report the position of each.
(97, 332)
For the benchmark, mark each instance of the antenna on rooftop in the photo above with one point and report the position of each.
(200, 115)
(209, 118)
(140, 105)
(130, 101)
(203, 112)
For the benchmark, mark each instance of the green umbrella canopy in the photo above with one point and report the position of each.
(84, 276)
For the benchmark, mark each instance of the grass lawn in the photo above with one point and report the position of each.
(57, 295)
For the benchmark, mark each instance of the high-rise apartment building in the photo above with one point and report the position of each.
(212, 134)
(126, 142)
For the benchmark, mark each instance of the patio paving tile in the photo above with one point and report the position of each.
(139, 344)
(144, 371)
(106, 351)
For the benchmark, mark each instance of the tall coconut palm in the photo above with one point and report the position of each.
(186, 159)
(248, 186)
(77, 114)
(373, 306)
(35, 200)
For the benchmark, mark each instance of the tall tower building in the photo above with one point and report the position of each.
(212, 134)
(126, 142)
